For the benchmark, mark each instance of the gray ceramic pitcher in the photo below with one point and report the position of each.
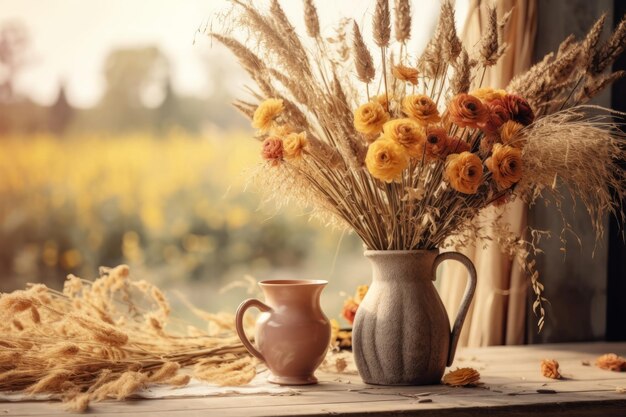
(401, 333)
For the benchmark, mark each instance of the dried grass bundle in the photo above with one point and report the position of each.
(108, 339)
(416, 161)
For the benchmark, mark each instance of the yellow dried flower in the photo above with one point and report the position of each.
(360, 293)
(386, 159)
(404, 73)
(421, 108)
(487, 94)
(550, 369)
(370, 118)
(462, 377)
(294, 145)
(509, 134)
(264, 115)
(464, 172)
(505, 165)
(385, 101)
(611, 362)
(405, 132)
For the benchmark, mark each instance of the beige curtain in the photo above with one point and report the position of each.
(498, 313)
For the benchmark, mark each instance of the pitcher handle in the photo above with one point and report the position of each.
(467, 297)
(251, 302)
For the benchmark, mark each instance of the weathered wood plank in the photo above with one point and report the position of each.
(510, 374)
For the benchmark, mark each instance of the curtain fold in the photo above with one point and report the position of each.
(498, 313)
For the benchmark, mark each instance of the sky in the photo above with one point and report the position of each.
(70, 39)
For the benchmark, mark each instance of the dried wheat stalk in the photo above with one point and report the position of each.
(108, 339)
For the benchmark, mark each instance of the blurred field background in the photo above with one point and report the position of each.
(144, 163)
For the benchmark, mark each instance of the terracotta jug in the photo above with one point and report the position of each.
(401, 333)
(292, 333)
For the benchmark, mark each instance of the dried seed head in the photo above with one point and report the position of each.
(362, 58)
(311, 20)
(15, 302)
(590, 43)
(488, 51)
(567, 43)
(610, 50)
(381, 23)
(165, 372)
(461, 80)
(451, 44)
(402, 23)
(34, 315)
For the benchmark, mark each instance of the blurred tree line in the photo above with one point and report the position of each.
(138, 95)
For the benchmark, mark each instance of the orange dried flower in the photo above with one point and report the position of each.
(273, 150)
(386, 159)
(497, 115)
(456, 145)
(264, 115)
(611, 362)
(370, 118)
(351, 305)
(349, 310)
(404, 73)
(505, 165)
(519, 108)
(405, 132)
(467, 111)
(462, 377)
(550, 369)
(434, 146)
(421, 108)
(464, 172)
(509, 133)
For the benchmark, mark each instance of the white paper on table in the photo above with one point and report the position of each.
(195, 388)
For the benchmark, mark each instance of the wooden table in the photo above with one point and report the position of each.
(513, 386)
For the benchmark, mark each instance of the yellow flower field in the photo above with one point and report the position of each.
(176, 204)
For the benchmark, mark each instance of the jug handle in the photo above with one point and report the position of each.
(251, 302)
(467, 297)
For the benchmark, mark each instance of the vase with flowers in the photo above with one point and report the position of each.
(406, 151)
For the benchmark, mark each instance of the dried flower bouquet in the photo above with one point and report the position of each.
(406, 151)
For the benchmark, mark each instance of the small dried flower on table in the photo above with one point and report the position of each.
(462, 377)
(611, 362)
(550, 369)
